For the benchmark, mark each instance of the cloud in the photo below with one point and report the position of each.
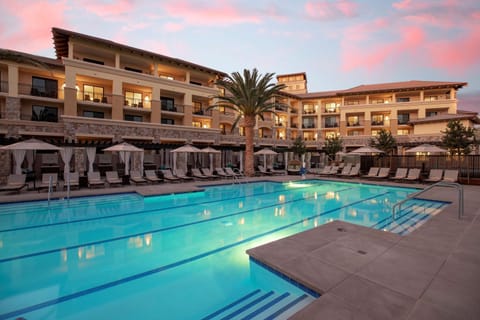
(114, 10)
(329, 10)
(27, 27)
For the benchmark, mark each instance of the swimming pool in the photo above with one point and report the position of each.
(178, 256)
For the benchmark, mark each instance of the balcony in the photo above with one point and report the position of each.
(177, 108)
(3, 86)
(332, 110)
(29, 90)
(331, 125)
(309, 112)
(308, 126)
(358, 123)
(377, 123)
(202, 112)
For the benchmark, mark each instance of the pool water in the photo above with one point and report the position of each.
(178, 256)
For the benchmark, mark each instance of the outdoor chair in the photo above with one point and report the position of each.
(206, 172)
(168, 175)
(74, 180)
(354, 171)
(273, 171)
(197, 174)
(435, 175)
(400, 174)
(152, 177)
(372, 173)
(231, 172)
(264, 171)
(15, 182)
(333, 170)
(222, 173)
(325, 170)
(383, 173)
(413, 175)
(345, 170)
(136, 177)
(450, 176)
(46, 181)
(113, 179)
(94, 180)
(180, 173)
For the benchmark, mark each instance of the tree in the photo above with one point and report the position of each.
(250, 95)
(299, 147)
(23, 58)
(384, 141)
(333, 145)
(457, 138)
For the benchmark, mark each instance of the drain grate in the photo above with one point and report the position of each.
(361, 252)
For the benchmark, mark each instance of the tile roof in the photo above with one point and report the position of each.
(402, 86)
(447, 117)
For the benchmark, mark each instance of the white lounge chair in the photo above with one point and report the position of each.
(15, 182)
(400, 174)
(413, 175)
(136, 177)
(152, 177)
(180, 173)
(264, 171)
(46, 181)
(372, 173)
(168, 175)
(450, 176)
(112, 178)
(206, 172)
(435, 175)
(94, 180)
(222, 173)
(74, 180)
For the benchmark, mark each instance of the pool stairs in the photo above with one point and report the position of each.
(412, 215)
(260, 304)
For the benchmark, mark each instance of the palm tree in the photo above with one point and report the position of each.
(250, 95)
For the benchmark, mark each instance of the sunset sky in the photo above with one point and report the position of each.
(338, 43)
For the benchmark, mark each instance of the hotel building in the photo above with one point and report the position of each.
(98, 92)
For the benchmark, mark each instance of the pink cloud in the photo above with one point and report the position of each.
(326, 10)
(29, 26)
(108, 9)
(213, 13)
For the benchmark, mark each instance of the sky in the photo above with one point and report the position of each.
(338, 43)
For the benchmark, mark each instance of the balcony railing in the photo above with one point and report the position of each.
(377, 123)
(331, 125)
(308, 111)
(3, 86)
(358, 123)
(175, 108)
(29, 90)
(308, 126)
(202, 112)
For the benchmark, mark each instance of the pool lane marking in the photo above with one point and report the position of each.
(166, 267)
(139, 212)
(29, 255)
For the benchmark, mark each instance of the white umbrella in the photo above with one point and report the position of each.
(211, 151)
(366, 150)
(426, 148)
(20, 148)
(188, 148)
(265, 152)
(124, 150)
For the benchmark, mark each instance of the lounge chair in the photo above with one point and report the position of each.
(231, 172)
(413, 175)
(180, 173)
(206, 172)
(46, 181)
(333, 171)
(372, 173)
(264, 171)
(113, 179)
(168, 175)
(74, 180)
(15, 182)
(325, 170)
(222, 173)
(400, 174)
(197, 174)
(152, 177)
(273, 171)
(383, 173)
(136, 177)
(435, 175)
(94, 180)
(354, 171)
(346, 170)
(450, 176)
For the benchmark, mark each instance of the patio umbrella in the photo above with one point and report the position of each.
(211, 151)
(366, 150)
(124, 149)
(265, 152)
(188, 148)
(426, 148)
(19, 150)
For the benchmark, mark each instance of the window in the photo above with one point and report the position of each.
(241, 131)
(167, 121)
(197, 108)
(223, 130)
(330, 134)
(431, 113)
(195, 83)
(133, 99)
(43, 113)
(308, 109)
(430, 98)
(308, 123)
(403, 132)
(309, 136)
(330, 122)
(131, 117)
(167, 104)
(166, 77)
(353, 121)
(403, 118)
(377, 120)
(354, 133)
(376, 101)
(375, 133)
(92, 93)
(403, 99)
(133, 70)
(196, 124)
(352, 102)
(93, 61)
(44, 87)
(331, 107)
(93, 114)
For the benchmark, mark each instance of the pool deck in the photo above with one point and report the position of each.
(361, 273)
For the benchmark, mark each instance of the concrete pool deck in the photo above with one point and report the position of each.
(432, 273)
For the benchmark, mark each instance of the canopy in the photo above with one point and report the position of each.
(366, 150)
(209, 150)
(265, 151)
(19, 150)
(124, 150)
(188, 148)
(426, 148)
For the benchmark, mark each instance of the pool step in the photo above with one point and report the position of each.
(412, 215)
(260, 304)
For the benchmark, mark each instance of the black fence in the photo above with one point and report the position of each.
(468, 166)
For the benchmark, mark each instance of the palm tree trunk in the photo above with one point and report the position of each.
(249, 124)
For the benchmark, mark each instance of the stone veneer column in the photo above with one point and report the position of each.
(6, 161)
(156, 115)
(117, 100)
(13, 108)
(70, 101)
(80, 160)
(367, 122)
(188, 109)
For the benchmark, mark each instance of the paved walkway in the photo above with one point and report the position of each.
(432, 273)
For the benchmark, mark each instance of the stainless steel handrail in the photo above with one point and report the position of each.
(455, 185)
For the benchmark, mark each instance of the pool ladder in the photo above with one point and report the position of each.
(455, 185)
